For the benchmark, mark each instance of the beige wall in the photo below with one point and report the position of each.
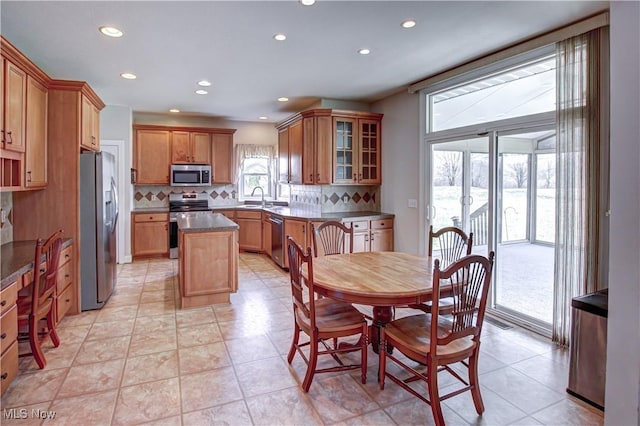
(400, 166)
(623, 328)
(247, 132)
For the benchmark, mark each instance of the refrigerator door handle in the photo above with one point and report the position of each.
(116, 206)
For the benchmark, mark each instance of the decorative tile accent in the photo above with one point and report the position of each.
(149, 196)
(143, 195)
(161, 196)
(138, 196)
(224, 195)
(334, 198)
(214, 195)
(366, 197)
(356, 198)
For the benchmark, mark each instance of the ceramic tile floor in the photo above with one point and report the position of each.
(141, 360)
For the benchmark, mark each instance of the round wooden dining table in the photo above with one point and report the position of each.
(379, 279)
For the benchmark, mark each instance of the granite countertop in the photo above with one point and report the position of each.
(205, 222)
(287, 211)
(17, 259)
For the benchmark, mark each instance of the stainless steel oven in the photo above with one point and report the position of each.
(182, 203)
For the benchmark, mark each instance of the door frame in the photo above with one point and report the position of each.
(117, 148)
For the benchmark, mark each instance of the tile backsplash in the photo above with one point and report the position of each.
(158, 196)
(332, 198)
(6, 204)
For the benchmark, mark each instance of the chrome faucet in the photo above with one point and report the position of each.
(261, 192)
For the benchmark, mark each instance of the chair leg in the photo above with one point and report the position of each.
(34, 343)
(363, 347)
(475, 384)
(294, 342)
(313, 361)
(434, 394)
(51, 325)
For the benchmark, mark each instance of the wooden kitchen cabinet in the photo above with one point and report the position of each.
(371, 235)
(65, 289)
(150, 234)
(90, 125)
(14, 99)
(36, 135)
(290, 153)
(222, 158)
(250, 232)
(266, 233)
(357, 149)
(208, 267)
(152, 156)
(317, 149)
(298, 230)
(190, 147)
(9, 332)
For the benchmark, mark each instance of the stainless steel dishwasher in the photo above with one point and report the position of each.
(277, 240)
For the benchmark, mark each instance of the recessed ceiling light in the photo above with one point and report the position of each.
(201, 92)
(262, 118)
(128, 76)
(364, 51)
(204, 83)
(410, 23)
(283, 99)
(174, 110)
(280, 37)
(307, 2)
(110, 31)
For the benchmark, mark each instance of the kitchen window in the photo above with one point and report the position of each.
(256, 167)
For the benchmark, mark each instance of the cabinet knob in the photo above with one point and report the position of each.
(66, 275)
(4, 376)
(381, 223)
(3, 303)
(3, 336)
(66, 256)
(356, 226)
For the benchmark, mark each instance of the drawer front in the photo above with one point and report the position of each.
(230, 214)
(65, 255)
(151, 217)
(9, 366)
(8, 297)
(382, 224)
(241, 214)
(65, 300)
(64, 276)
(360, 225)
(8, 328)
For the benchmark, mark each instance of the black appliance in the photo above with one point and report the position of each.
(183, 203)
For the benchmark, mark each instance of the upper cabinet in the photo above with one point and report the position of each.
(152, 156)
(157, 147)
(36, 136)
(23, 117)
(190, 147)
(356, 150)
(90, 124)
(325, 146)
(222, 157)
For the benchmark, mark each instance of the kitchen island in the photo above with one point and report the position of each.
(208, 258)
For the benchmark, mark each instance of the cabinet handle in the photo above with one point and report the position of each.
(10, 140)
(360, 176)
(356, 226)
(4, 302)
(318, 177)
(381, 223)
(3, 139)
(67, 300)
(310, 176)
(4, 376)
(66, 275)
(355, 177)
(3, 336)
(29, 176)
(66, 256)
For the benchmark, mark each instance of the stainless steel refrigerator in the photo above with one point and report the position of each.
(98, 218)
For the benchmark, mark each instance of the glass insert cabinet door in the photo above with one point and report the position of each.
(369, 151)
(345, 158)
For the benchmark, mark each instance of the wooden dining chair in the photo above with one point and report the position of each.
(39, 302)
(439, 341)
(334, 238)
(321, 319)
(453, 243)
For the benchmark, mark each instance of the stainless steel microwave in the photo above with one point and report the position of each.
(190, 175)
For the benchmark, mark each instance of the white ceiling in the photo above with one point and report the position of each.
(171, 45)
